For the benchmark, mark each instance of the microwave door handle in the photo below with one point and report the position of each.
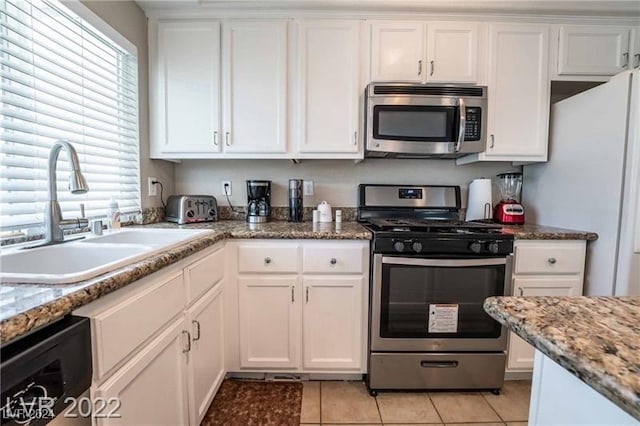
(463, 123)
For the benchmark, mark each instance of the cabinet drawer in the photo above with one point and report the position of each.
(553, 258)
(334, 259)
(121, 329)
(261, 259)
(204, 274)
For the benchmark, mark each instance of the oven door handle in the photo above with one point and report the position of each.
(443, 262)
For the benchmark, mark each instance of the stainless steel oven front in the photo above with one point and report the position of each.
(436, 304)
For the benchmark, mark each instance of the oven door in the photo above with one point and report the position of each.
(434, 304)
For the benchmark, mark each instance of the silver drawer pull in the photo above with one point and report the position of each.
(188, 348)
(215, 138)
(293, 294)
(552, 260)
(267, 260)
(333, 261)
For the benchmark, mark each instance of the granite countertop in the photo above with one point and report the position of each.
(531, 231)
(25, 307)
(597, 339)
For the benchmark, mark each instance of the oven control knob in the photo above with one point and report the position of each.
(212, 212)
(190, 213)
(475, 247)
(493, 247)
(398, 246)
(416, 246)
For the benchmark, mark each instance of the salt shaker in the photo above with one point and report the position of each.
(338, 216)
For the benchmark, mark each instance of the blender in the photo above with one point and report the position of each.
(509, 210)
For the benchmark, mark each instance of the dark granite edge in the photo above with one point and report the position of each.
(572, 361)
(524, 235)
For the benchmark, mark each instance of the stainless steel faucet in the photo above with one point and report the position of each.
(53, 221)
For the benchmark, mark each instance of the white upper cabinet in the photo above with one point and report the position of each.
(255, 86)
(185, 88)
(329, 86)
(635, 47)
(593, 50)
(397, 51)
(435, 52)
(518, 91)
(452, 52)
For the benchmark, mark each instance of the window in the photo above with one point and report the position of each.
(63, 79)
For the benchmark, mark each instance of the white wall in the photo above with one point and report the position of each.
(335, 181)
(129, 20)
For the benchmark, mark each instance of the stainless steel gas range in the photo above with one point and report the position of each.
(430, 276)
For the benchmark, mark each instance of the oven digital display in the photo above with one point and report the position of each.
(410, 194)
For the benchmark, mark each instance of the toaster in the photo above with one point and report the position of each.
(183, 209)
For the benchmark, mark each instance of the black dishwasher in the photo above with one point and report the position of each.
(45, 372)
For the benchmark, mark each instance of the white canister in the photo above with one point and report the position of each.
(324, 209)
(338, 216)
(316, 216)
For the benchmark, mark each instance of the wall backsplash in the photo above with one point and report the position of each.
(335, 181)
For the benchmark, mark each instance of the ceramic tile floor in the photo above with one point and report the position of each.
(329, 402)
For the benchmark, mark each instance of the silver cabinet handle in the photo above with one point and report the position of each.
(493, 141)
(267, 260)
(333, 261)
(625, 56)
(552, 260)
(521, 291)
(293, 295)
(184, 351)
(355, 138)
(420, 67)
(226, 138)
(197, 324)
(307, 294)
(433, 67)
(636, 60)
(463, 123)
(215, 138)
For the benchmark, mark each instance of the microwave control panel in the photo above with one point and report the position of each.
(473, 125)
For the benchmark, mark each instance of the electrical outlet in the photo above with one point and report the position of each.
(307, 187)
(152, 187)
(226, 187)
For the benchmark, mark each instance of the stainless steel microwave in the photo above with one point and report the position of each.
(409, 120)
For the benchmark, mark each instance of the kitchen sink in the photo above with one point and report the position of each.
(84, 259)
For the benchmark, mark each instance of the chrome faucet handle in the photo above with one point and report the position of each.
(96, 227)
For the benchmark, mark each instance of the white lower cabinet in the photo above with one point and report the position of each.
(269, 322)
(313, 320)
(206, 357)
(332, 322)
(543, 268)
(158, 344)
(151, 387)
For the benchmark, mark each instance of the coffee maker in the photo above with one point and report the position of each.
(258, 201)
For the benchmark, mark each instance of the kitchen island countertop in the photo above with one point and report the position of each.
(597, 339)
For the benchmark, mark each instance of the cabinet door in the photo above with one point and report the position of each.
(255, 86)
(397, 51)
(518, 109)
(188, 73)
(152, 387)
(329, 74)
(593, 50)
(206, 359)
(452, 52)
(520, 356)
(332, 322)
(269, 322)
(635, 48)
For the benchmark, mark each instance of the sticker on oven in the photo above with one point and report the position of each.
(443, 318)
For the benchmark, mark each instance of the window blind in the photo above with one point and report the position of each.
(63, 79)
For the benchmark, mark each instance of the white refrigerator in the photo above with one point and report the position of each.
(592, 180)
